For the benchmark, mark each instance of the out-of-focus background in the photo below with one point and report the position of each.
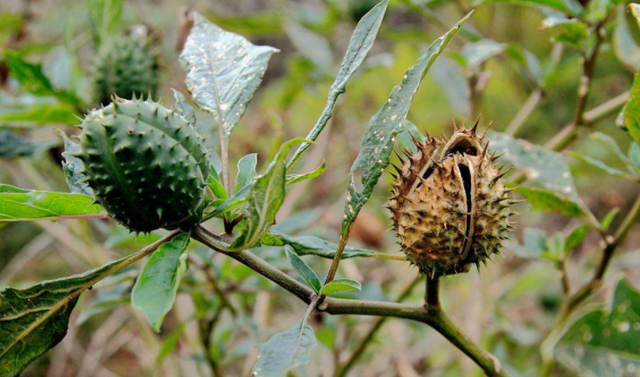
(509, 57)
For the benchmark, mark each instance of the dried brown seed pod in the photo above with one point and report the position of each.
(450, 210)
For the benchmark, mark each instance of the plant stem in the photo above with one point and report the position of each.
(224, 159)
(430, 315)
(432, 292)
(212, 280)
(341, 371)
(206, 329)
(573, 301)
(442, 324)
(339, 251)
(525, 111)
(568, 134)
(611, 244)
(477, 84)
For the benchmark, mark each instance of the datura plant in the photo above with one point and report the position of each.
(160, 172)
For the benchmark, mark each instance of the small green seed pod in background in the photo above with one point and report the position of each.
(451, 211)
(145, 163)
(124, 66)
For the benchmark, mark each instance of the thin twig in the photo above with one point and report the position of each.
(212, 280)
(206, 331)
(525, 111)
(341, 371)
(430, 315)
(339, 251)
(611, 244)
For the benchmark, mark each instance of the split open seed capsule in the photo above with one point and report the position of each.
(450, 209)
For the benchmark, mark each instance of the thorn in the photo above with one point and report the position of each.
(474, 129)
(494, 180)
(484, 133)
(415, 140)
(497, 156)
(484, 151)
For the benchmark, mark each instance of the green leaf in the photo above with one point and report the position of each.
(576, 237)
(303, 269)
(604, 342)
(624, 45)
(313, 46)
(614, 148)
(598, 10)
(223, 71)
(477, 53)
(170, 343)
(213, 182)
(379, 137)
(340, 285)
(12, 145)
(609, 217)
(602, 166)
(545, 168)
(569, 31)
(235, 201)
(634, 154)
(46, 113)
(531, 67)
(570, 7)
(534, 244)
(246, 171)
(361, 41)
(630, 115)
(33, 80)
(155, 290)
(184, 108)
(285, 351)
(405, 136)
(309, 245)
(105, 17)
(538, 245)
(24, 205)
(264, 200)
(299, 220)
(555, 248)
(296, 178)
(35, 319)
(549, 201)
(611, 144)
(73, 167)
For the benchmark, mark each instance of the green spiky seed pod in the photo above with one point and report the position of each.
(146, 164)
(453, 211)
(124, 66)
